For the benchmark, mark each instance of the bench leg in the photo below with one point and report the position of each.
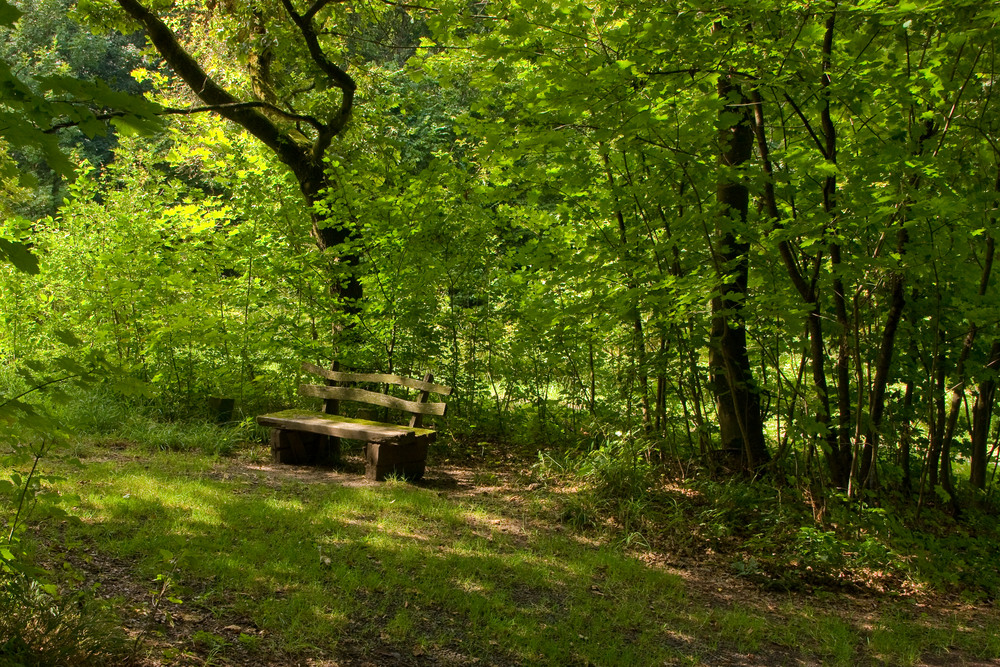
(406, 461)
(301, 448)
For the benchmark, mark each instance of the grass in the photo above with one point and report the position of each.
(262, 565)
(306, 562)
(105, 418)
(39, 629)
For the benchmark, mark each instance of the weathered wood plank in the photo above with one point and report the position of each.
(384, 453)
(303, 448)
(372, 398)
(344, 427)
(412, 471)
(407, 461)
(418, 420)
(330, 406)
(383, 378)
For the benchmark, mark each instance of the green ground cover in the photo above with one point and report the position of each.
(234, 561)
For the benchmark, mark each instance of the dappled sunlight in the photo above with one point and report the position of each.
(336, 570)
(711, 289)
(318, 552)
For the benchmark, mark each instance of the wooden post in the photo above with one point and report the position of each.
(331, 406)
(417, 420)
(298, 447)
(221, 409)
(406, 461)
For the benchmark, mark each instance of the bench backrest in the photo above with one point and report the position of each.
(338, 389)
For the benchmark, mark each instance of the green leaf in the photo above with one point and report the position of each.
(19, 255)
(9, 14)
(67, 337)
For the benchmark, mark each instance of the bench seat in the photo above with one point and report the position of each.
(346, 427)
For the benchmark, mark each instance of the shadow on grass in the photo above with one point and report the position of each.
(400, 574)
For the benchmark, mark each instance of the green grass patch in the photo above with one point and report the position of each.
(272, 565)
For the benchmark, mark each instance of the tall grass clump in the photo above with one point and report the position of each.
(617, 479)
(619, 469)
(101, 415)
(41, 629)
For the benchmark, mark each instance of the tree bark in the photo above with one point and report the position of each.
(737, 399)
(807, 290)
(304, 157)
(883, 363)
(906, 437)
(958, 388)
(982, 414)
(634, 314)
(982, 411)
(840, 457)
(936, 416)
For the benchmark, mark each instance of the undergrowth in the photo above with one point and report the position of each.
(107, 418)
(774, 532)
(39, 628)
(273, 567)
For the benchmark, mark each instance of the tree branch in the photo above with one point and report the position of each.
(208, 90)
(812, 133)
(338, 76)
(219, 108)
(316, 7)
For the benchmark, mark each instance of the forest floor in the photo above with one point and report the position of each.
(237, 561)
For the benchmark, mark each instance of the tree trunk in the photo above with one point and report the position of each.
(839, 471)
(936, 417)
(982, 411)
(336, 236)
(883, 363)
(635, 314)
(958, 388)
(840, 457)
(982, 414)
(305, 158)
(736, 396)
(906, 437)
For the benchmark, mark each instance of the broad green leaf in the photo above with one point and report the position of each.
(9, 14)
(20, 256)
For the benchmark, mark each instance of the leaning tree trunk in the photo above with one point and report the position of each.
(958, 388)
(840, 472)
(736, 396)
(303, 158)
(982, 411)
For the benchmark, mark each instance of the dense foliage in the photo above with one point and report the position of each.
(755, 238)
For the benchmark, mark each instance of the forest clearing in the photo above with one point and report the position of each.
(611, 333)
(489, 561)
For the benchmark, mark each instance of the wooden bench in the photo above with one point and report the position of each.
(306, 436)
